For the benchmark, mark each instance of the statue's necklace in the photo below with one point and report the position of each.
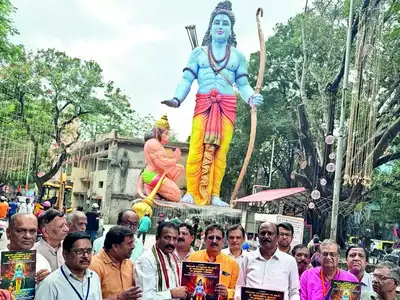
(213, 61)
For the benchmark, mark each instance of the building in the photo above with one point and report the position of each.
(106, 171)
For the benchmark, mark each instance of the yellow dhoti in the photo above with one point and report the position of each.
(206, 162)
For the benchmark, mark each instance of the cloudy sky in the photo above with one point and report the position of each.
(141, 44)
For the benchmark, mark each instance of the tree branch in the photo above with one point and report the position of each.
(334, 86)
(386, 138)
(80, 113)
(387, 158)
(303, 179)
(65, 106)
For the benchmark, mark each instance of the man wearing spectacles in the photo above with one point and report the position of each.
(214, 239)
(269, 268)
(385, 279)
(356, 259)
(129, 219)
(285, 236)
(73, 280)
(54, 228)
(316, 283)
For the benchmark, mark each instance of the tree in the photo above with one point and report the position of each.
(302, 85)
(7, 49)
(386, 192)
(56, 96)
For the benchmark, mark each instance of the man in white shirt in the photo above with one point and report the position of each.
(269, 268)
(21, 233)
(27, 207)
(161, 260)
(185, 239)
(356, 258)
(73, 281)
(235, 235)
(54, 227)
(285, 236)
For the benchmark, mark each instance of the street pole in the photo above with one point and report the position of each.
(340, 146)
(28, 168)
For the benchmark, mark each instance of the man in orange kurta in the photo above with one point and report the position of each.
(214, 239)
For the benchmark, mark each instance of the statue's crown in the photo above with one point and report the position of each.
(162, 123)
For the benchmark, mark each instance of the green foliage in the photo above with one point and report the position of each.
(55, 98)
(386, 193)
(316, 62)
(7, 49)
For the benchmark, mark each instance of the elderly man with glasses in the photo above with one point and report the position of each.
(54, 228)
(128, 219)
(385, 279)
(316, 283)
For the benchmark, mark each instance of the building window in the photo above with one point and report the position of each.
(103, 163)
(101, 183)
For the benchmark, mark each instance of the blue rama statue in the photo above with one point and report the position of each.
(218, 66)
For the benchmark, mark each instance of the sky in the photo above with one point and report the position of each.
(141, 45)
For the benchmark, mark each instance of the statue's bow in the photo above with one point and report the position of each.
(253, 112)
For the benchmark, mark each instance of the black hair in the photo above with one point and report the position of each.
(121, 214)
(236, 227)
(116, 235)
(357, 246)
(297, 247)
(165, 225)
(287, 226)
(223, 7)
(48, 216)
(79, 208)
(213, 227)
(188, 226)
(72, 237)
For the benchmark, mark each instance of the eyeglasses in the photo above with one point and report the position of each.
(381, 277)
(81, 252)
(214, 237)
(129, 224)
(285, 235)
(331, 254)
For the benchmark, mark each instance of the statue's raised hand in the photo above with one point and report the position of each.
(256, 100)
(171, 103)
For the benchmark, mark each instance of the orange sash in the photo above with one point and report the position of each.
(213, 105)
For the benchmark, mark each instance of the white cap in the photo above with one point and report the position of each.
(95, 205)
(3, 198)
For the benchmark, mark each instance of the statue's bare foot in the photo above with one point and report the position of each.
(187, 199)
(215, 200)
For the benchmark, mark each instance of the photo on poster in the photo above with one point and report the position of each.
(201, 280)
(18, 269)
(259, 294)
(345, 290)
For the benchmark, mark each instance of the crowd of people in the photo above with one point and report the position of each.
(71, 263)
